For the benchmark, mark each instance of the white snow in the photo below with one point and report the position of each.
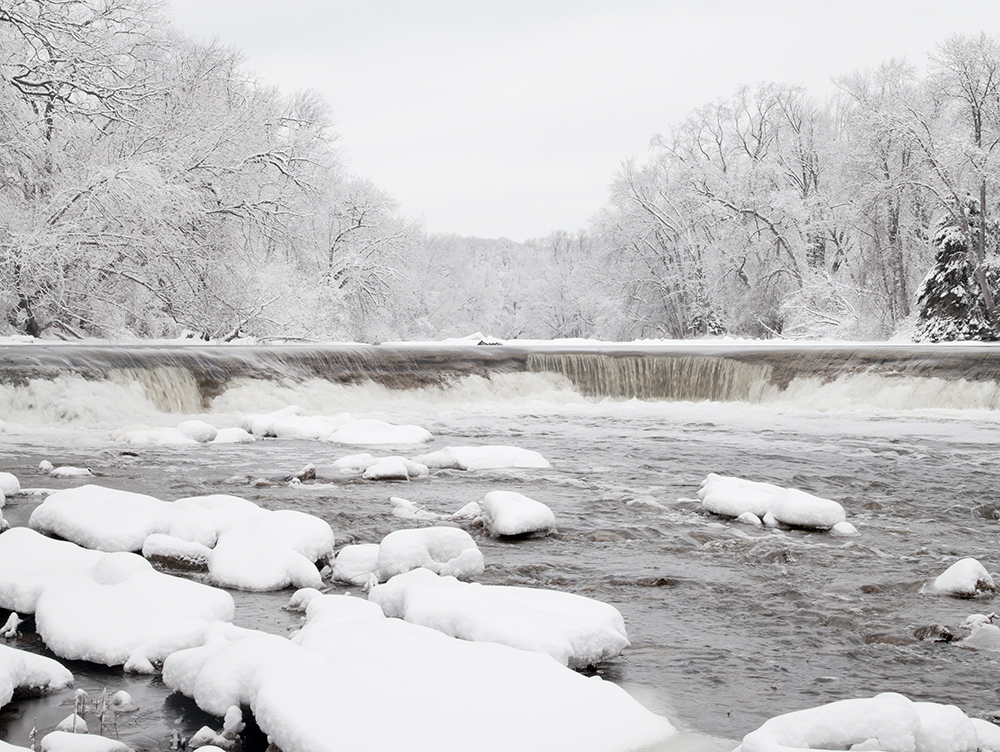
(65, 741)
(983, 633)
(575, 630)
(400, 686)
(506, 513)
(889, 722)
(731, 497)
(69, 471)
(30, 562)
(233, 435)
(357, 564)
(9, 485)
(965, 578)
(341, 429)
(394, 468)
(20, 669)
(156, 435)
(197, 430)
(370, 431)
(443, 550)
(120, 611)
(483, 458)
(251, 548)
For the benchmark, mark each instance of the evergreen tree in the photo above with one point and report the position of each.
(951, 305)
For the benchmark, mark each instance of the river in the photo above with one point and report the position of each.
(729, 624)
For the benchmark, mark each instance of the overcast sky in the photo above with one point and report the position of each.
(508, 118)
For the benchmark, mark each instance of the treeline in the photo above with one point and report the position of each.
(150, 185)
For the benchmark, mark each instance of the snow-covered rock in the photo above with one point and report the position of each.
(370, 431)
(104, 519)
(443, 550)
(507, 513)
(198, 430)
(70, 471)
(889, 722)
(983, 633)
(290, 424)
(233, 435)
(357, 564)
(394, 468)
(966, 578)
(575, 630)
(65, 741)
(731, 497)
(483, 458)
(249, 547)
(271, 551)
(9, 485)
(30, 562)
(500, 697)
(155, 435)
(20, 669)
(120, 611)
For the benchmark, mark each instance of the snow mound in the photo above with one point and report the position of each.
(9, 485)
(483, 458)
(341, 429)
(889, 722)
(357, 564)
(732, 497)
(155, 435)
(120, 611)
(369, 431)
(443, 550)
(507, 513)
(243, 545)
(67, 741)
(197, 430)
(272, 550)
(101, 518)
(983, 633)
(233, 435)
(394, 468)
(69, 471)
(966, 578)
(30, 562)
(526, 700)
(22, 670)
(575, 630)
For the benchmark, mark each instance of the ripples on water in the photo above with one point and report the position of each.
(730, 625)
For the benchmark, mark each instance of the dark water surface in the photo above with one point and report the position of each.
(730, 625)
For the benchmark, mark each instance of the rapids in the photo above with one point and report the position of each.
(730, 625)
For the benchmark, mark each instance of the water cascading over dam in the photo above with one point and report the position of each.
(186, 378)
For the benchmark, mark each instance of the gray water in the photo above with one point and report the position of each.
(729, 625)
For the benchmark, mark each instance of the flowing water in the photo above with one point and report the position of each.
(729, 624)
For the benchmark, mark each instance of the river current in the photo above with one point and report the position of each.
(729, 624)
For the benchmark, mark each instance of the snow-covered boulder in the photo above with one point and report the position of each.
(30, 562)
(101, 518)
(27, 671)
(9, 484)
(733, 497)
(966, 578)
(198, 430)
(443, 550)
(483, 458)
(983, 633)
(273, 550)
(289, 423)
(67, 741)
(524, 700)
(888, 722)
(357, 564)
(370, 431)
(70, 471)
(575, 630)
(249, 547)
(508, 513)
(233, 435)
(394, 468)
(120, 611)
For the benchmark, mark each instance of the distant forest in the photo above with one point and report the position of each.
(152, 186)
